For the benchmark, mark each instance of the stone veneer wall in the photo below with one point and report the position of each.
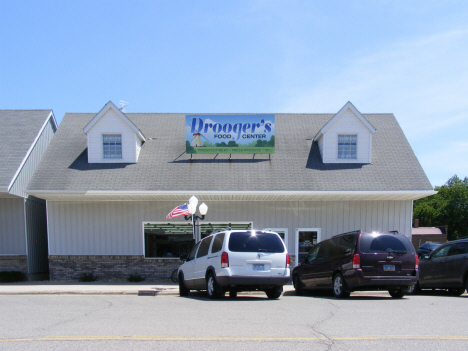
(14, 263)
(111, 267)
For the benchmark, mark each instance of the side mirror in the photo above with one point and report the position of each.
(302, 259)
(183, 257)
(426, 257)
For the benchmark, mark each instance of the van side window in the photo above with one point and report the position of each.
(204, 246)
(312, 255)
(217, 243)
(458, 249)
(347, 244)
(192, 253)
(327, 249)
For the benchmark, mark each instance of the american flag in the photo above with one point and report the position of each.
(181, 210)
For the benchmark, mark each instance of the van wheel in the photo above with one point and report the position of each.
(412, 290)
(396, 293)
(273, 293)
(339, 286)
(298, 286)
(212, 287)
(183, 291)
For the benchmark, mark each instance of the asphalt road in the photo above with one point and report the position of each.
(363, 322)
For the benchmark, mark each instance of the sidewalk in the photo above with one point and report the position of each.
(97, 288)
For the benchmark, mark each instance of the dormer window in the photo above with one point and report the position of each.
(338, 138)
(112, 146)
(347, 146)
(113, 137)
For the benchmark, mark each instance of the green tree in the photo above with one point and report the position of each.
(448, 207)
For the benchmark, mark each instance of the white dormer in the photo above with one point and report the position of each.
(346, 138)
(112, 137)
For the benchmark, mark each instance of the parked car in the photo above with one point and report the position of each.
(427, 248)
(236, 261)
(359, 261)
(445, 268)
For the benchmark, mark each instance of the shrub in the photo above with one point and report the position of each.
(135, 278)
(87, 277)
(12, 277)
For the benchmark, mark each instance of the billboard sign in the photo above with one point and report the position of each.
(230, 134)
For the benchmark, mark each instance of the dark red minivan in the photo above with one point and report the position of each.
(357, 261)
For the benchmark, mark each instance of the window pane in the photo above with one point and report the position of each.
(112, 146)
(204, 246)
(217, 243)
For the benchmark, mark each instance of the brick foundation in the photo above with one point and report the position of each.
(109, 268)
(14, 263)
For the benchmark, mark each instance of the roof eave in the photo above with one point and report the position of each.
(106, 195)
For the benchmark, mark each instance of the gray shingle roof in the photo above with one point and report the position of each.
(295, 166)
(18, 130)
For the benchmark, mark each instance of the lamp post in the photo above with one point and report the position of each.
(192, 207)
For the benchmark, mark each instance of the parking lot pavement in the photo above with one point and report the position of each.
(125, 288)
(98, 288)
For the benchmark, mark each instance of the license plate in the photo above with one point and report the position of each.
(389, 267)
(258, 267)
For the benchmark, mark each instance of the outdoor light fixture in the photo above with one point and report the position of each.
(192, 207)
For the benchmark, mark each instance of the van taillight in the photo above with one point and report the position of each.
(288, 260)
(356, 261)
(224, 260)
(416, 262)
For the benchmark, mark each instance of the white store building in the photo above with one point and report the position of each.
(110, 179)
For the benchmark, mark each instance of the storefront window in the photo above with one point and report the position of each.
(171, 240)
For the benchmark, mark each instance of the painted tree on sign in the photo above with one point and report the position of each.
(448, 207)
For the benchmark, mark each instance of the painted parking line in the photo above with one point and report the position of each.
(214, 338)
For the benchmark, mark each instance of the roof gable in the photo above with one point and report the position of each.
(340, 113)
(110, 106)
(19, 134)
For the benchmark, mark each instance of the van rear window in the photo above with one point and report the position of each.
(254, 242)
(383, 243)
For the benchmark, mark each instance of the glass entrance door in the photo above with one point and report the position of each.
(306, 239)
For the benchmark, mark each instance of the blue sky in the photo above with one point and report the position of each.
(405, 57)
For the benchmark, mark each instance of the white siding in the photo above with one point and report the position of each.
(12, 231)
(115, 228)
(138, 146)
(347, 124)
(111, 123)
(31, 163)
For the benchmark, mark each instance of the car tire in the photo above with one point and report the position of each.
(212, 287)
(339, 286)
(456, 292)
(298, 286)
(183, 290)
(397, 293)
(232, 294)
(273, 293)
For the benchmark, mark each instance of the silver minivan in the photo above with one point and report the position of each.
(235, 261)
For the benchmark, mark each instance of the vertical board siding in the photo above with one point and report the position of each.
(36, 226)
(12, 230)
(115, 228)
(29, 167)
